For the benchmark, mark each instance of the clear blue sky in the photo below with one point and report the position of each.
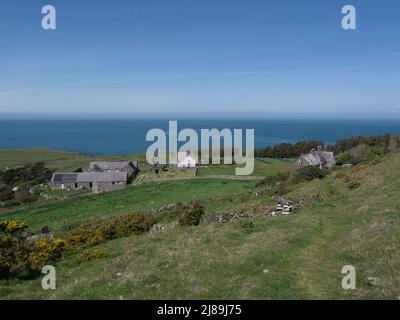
(236, 58)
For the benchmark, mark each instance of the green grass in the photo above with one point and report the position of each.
(299, 256)
(61, 161)
(262, 167)
(134, 198)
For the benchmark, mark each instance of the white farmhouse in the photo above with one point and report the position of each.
(185, 160)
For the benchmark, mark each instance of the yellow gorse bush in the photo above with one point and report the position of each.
(12, 226)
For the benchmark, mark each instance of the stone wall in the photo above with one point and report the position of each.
(100, 187)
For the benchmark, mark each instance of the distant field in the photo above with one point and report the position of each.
(56, 159)
(262, 167)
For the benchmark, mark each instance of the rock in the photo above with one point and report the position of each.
(348, 165)
(265, 271)
(373, 281)
(36, 237)
(283, 208)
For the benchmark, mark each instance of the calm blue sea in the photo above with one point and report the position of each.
(108, 137)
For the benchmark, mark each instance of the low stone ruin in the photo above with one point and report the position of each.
(225, 216)
(158, 227)
(284, 207)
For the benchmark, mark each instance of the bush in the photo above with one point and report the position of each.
(93, 233)
(32, 174)
(18, 253)
(340, 175)
(308, 173)
(288, 150)
(344, 158)
(279, 177)
(43, 251)
(248, 226)
(6, 193)
(190, 214)
(92, 255)
(354, 184)
(23, 196)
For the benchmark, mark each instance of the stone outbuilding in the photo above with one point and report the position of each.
(323, 159)
(96, 181)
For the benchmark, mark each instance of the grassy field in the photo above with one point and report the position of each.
(299, 256)
(134, 198)
(262, 167)
(61, 161)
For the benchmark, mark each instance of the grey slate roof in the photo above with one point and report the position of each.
(316, 158)
(90, 177)
(110, 165)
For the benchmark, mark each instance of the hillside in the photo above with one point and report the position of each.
(351, 216)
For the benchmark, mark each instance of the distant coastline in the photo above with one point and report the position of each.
(124, 136)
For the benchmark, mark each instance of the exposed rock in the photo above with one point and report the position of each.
(226, 216)
(229, 216)
(159, 227)
(284, 207)
(373, 281)
(348, 165)
(36, 237)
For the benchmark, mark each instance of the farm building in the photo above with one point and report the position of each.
(185, 160)
(323, 159)
(130, 167)
(96, 181)
(100, 177)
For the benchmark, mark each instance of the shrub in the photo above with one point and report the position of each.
(6, 193)
(18, 253)
(43, 251)
(359, 153)
(288, 150)
(354, 184)
(92, 255)
(248, 226)
(190, 214)
(340, 175)
(93, 233)
(307, 174)
(23, 196)
(279, 177)
(32, 173)
(344, 158)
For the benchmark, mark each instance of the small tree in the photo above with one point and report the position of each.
(190, 214)
(6, 193)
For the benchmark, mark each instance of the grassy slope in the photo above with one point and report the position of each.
(303, 253)
(134, 198)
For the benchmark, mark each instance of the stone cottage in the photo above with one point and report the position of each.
(96, 181)
(130, 167)
(100, 177)
(323, 159)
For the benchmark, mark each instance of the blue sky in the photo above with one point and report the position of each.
(201, 58)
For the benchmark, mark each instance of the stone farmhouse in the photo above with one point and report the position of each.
(100, 177)
(323, 159)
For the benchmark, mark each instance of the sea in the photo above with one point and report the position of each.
(123, 136)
